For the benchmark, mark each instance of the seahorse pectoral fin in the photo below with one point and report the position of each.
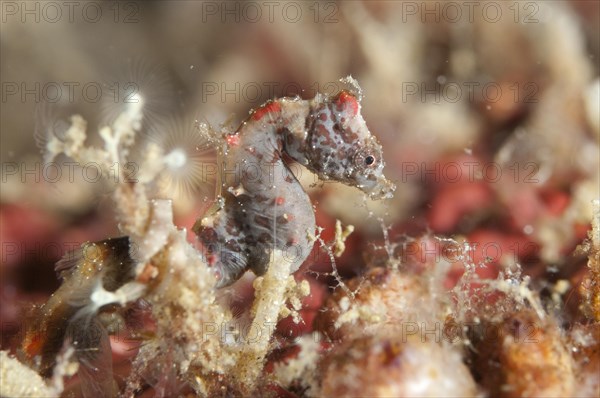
(200, 224)
(207, 220)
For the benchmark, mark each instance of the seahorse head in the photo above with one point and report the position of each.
(342, 148)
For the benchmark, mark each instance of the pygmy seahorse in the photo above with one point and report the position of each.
(263, 204)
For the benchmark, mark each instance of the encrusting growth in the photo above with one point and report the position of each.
(591, 287)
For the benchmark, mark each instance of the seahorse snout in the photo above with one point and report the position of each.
(383, 189)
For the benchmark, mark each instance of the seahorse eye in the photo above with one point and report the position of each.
(365, 159)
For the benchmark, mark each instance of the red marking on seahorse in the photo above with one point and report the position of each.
(211, 259)
(233, 140)
(270, 107)
(279, 200)
(347, 101)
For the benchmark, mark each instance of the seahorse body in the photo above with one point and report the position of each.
(264, 204)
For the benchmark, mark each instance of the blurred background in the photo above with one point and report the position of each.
(488, 113)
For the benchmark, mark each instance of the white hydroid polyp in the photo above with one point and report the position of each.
(133, 79)
(189, 159)
(176, 159)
